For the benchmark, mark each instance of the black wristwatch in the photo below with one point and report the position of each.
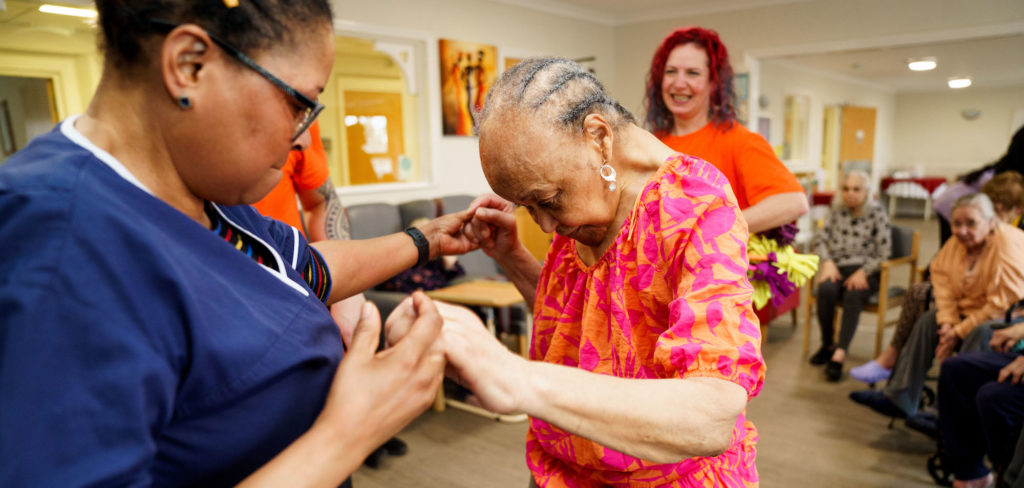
(422, 245)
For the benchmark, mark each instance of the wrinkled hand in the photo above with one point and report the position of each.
(1013, 372)
(346, 314)
(375, 394)
(828, 272)
(948, 341)
(446, 235)
(1004, 339)
(857, 281)
(493, 226)
(479, 362)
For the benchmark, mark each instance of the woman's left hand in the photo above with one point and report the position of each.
(1014, 372)
(857, 281)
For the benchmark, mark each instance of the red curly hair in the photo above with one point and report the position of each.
(722, 110)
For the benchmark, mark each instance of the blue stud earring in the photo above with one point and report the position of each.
(185, 103)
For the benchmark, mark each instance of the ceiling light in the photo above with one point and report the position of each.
(921, 64)
(87, 13)
(960, 82)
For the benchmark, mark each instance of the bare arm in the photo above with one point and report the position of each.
(493, 228)
(628, 415)
(775, 210)
(327, 218)
(347, 259)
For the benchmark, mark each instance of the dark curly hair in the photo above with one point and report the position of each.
(251, 26)
(722, 110)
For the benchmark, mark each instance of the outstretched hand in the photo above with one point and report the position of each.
(375, 394)
(479, 362)
(493, 226)
(446, 235)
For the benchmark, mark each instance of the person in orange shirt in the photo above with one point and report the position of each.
(305, 176)
(691, 107)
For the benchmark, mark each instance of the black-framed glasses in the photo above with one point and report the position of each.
(311, 108)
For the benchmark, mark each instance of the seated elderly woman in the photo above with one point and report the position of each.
(975, 278)
(852, 246)
(1006, 191)
(645, 347)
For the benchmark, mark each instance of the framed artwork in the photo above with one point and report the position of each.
(468, 70)
(7, 146)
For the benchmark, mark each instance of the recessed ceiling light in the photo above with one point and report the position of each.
(87, 13)
(921, 64)
(959, 82)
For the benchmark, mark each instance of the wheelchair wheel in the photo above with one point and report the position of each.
(938, 471)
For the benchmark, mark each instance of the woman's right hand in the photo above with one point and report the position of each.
(493, 226)
(828, 272)
(376, 394)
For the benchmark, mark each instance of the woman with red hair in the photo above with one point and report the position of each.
(691, 107)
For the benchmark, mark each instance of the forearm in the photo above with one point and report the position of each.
(523, 270)
(658, 420)
(774, 211)
(319, 458)
(327, 219)
(358, 265)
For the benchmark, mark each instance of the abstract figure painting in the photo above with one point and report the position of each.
(468, 70)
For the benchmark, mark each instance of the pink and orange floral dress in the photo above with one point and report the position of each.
(669, 299)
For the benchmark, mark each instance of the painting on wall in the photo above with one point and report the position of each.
(468, 70)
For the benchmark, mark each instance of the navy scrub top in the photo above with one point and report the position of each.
(138, 348)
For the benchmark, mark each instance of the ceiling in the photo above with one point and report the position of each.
(993, 60)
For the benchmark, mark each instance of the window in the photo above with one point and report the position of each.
(373, 128)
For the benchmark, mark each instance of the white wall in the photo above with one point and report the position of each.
(514, 30)
(931, 132)
(779, 79)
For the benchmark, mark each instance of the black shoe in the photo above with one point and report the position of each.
(375, 457)
(878, 402)
(833, 371)
(926, 423)
(823, 355)
(396, 447)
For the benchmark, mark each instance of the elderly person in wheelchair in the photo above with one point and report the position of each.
(975, 278)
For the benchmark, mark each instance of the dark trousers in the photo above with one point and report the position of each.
(977, 414)
(831, 293)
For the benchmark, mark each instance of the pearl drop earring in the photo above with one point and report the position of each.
(609, 177)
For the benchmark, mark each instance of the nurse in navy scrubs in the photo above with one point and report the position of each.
(154, 329)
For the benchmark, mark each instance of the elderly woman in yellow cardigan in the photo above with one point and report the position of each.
(975, 278)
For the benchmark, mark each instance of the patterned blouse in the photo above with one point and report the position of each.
(669, 299)
(855, 241)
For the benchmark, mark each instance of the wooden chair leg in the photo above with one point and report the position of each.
(879, 331)
(807, 322)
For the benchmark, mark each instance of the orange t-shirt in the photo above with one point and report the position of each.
(305, 170)
(744, 157)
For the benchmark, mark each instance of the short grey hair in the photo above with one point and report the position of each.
(980, 201)
(837, 199)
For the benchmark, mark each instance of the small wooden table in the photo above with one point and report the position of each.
(490, 294)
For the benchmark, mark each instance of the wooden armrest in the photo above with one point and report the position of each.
(888, 263)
